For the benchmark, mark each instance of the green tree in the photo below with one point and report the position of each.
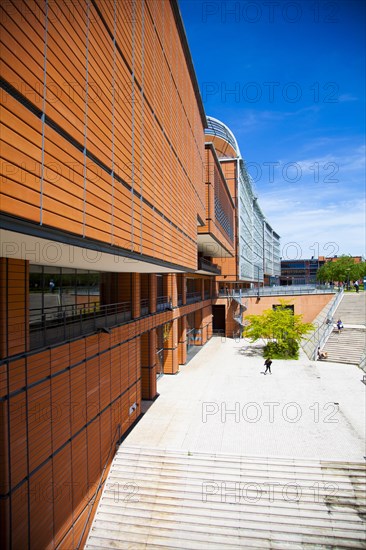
(282, 330)
(343, 269)
(361, 270)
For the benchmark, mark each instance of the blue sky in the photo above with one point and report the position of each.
(288, 78)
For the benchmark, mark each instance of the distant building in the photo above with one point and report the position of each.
(303, 271)
(357, 259)
(258, 245)
(300, 272)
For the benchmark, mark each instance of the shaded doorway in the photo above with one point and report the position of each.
(218, 320)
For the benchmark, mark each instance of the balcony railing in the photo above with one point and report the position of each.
(55, 324)
(144, 306)
(163, 303)
(277, 291)
(206, 265)
(193, 297)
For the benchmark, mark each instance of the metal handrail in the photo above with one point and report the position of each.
(277, 291)
(292, 289)
(163, 303)
(207, 265)
(322, 332)
(362, 363)
(193, 297)
(53, 313)
(59, 323)
(144, 306)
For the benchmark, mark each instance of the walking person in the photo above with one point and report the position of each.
(339, 326)
(356, 285)
(268, 363)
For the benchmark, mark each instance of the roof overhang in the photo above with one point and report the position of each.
(48, 252)
(209, 246)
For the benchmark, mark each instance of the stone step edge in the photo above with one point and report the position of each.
(186, 453)
(219, 538)
(131, 488)
(207, 528)
(231, 466)
(166, 545)
(120, 470)
(321, 513)
(194, 459)
(351, 492)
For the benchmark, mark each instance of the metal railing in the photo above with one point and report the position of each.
(238, 316)
(289, 290)
(193, 297)
(277, 291)
(207, 265)
(321, 334)
(362, 363)
(144, 306)
(59, 323)
(163, 303)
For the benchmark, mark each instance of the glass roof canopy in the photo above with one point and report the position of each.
(217, 128)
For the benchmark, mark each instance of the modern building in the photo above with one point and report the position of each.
(303, 271)
(118, 228)
(258, 245)
(300, 272)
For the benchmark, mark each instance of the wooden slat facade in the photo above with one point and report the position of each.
(102, 142)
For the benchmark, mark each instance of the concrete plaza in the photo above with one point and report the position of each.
(229, 458)
(222, 402)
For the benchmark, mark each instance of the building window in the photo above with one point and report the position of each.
(53, 287)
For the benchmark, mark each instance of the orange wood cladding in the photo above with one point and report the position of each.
(14, 315)
(102, 138)
(65, 419)
(62, 409)
(229, 266)
(130, 102)
(222, 147)
(217, 193)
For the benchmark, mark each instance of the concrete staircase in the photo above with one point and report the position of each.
(352, 309)
(349, 345)
(155, 498)
(346, 347)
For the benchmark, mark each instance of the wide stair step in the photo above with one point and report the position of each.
(346, 347)
(156, 498)
(352, 309)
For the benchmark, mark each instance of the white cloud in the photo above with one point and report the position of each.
(336, 228)
(326, 205)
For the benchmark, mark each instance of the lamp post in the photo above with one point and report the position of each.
(348, 270)
(258, 283)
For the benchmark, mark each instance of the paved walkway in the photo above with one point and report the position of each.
(222, 402)
(230, 458)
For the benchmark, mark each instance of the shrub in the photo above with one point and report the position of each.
(282, 330)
